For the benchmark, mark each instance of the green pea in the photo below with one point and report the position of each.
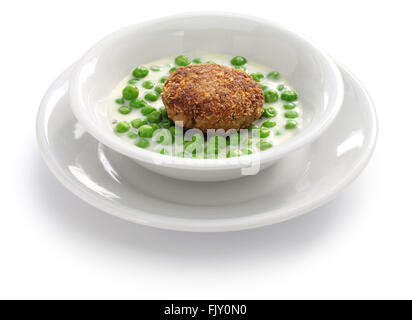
(138, 103)
(147, 110)
(241, 68)
(132, 81)
(291, 114)
(164, 137)
(252, 127)
(182, 60)
(122, 126)
(198, 137)
(163, 79)
(238, 61)
(264, 86)
(148, 84)
(142, 143)
(137, 123)
(172, 69)
(291, 124)
(233, 153)
(155, 126)
(215, 144)
(151, 96)
(140, 72)
(264, 144)
(228, 141)
(269, 112)
(146, 131)
(271, 96)
(289, 96)
(154, 117)
(124, 109)
(246, 151)
(162, 151)
(289, 105)
(119, 101)
(162, 110)
(130, 93)
(165, 123)
(264, 132)
(210, 62)
(159, 88)
(193, 147)
(187, 143)
(197, 60)
(257, 76)
(132, 134)
(269, 124)
(281, 87)
(273, 74)
(155, 68)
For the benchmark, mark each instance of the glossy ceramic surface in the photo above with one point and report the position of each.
(295, 185)
(307, 67)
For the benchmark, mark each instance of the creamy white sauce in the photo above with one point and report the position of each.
(278, 134)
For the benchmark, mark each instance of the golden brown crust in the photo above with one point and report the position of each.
(212, 96)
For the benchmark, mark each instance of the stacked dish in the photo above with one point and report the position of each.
(206, 103)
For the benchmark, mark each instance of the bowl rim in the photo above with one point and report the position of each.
(113, 142)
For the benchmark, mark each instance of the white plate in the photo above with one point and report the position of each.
(297, 184)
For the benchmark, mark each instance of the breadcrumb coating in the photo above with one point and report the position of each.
(212, 96)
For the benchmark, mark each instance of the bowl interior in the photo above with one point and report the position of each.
(307, 68)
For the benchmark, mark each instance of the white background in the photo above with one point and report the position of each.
(52, 245)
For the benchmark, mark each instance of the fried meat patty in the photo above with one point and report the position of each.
(212, 96)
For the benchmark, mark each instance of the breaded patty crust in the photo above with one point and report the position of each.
(212, 96)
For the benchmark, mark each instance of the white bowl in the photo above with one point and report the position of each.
(308, 68)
